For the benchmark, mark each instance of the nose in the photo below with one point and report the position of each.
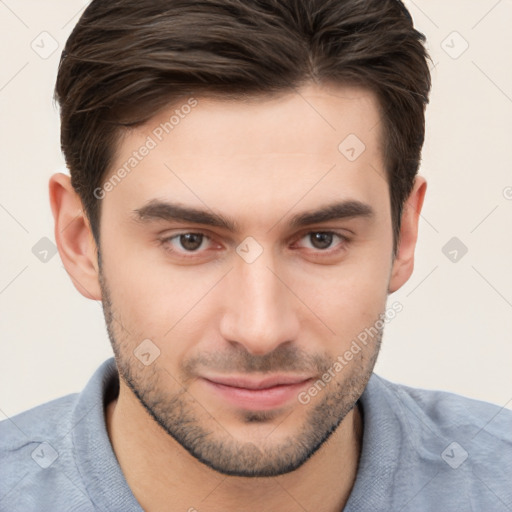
(260, 313)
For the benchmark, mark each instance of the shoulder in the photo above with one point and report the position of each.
(22, 434)
(459, 448)
(447, 413)
(43, 419)
(36, 455)
(58, 456)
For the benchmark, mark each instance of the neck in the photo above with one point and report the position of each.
(160, 471)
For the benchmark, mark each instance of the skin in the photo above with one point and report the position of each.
(293, 310)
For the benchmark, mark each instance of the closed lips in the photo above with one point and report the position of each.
(259, 384)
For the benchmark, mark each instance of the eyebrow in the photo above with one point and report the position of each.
(162, 210)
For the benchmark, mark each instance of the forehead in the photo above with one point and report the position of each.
(321, 143)
(304, 121)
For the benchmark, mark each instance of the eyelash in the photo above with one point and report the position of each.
(166, 242)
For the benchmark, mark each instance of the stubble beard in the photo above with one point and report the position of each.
(200, 434)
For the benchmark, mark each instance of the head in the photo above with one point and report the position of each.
(243, 198)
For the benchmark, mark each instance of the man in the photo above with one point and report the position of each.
(243, 198)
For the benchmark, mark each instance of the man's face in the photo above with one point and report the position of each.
(228, 309)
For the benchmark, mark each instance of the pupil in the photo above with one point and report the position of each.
(325, 240)
(191, 241)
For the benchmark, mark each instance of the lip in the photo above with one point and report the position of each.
(257, 394)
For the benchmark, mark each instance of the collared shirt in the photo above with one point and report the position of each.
(421, 451)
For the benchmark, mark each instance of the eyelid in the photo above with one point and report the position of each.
(165, 240)
(192, 254)
(344, 239)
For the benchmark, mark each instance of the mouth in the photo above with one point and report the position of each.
(257, 394)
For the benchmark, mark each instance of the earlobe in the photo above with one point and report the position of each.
(74, 238)
(403, 265)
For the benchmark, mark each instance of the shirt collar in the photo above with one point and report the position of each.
(104, 480)
(109, 491)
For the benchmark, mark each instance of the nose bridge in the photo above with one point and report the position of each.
(260, 313)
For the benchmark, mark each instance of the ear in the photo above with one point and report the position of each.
(74, 238)
(403, 264)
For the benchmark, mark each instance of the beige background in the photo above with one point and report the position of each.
(455, 332)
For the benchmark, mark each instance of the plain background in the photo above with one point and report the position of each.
(455, 330)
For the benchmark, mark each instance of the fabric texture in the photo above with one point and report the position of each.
(422, 451)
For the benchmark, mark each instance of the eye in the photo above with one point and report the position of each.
(191, 244)
(185, 242)
(323, 240)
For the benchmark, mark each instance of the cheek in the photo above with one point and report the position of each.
(154, 299)
(158, 300)
(348, 297)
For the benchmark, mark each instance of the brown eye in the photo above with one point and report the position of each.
(324, 241)
(183, 243)
(191, 241)
(321, 240)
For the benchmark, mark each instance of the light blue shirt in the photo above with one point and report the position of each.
(422, 451)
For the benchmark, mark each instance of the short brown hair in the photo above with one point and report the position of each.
(127, 59)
